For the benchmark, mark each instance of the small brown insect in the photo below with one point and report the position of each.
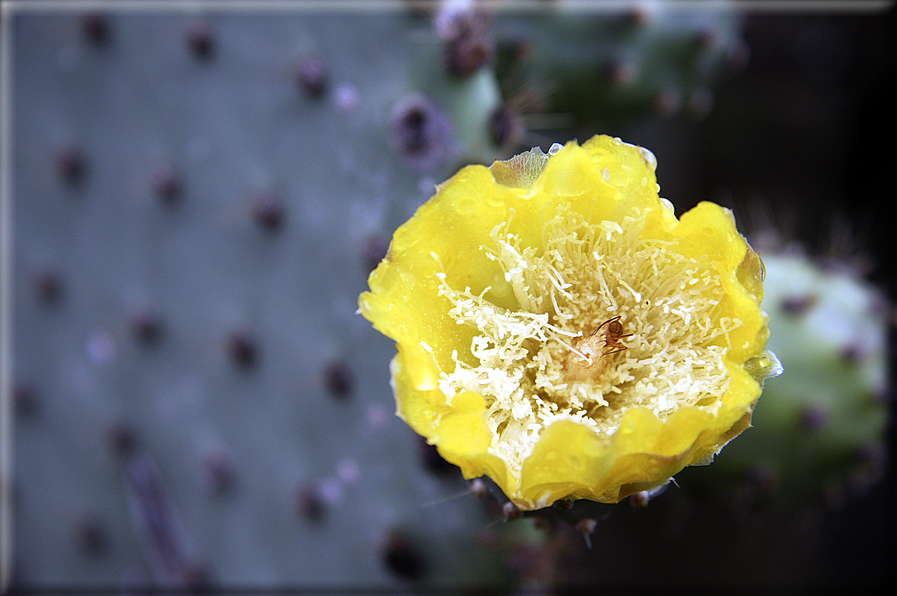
(612, 336)
(586, 359)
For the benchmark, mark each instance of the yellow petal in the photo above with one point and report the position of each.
(500, 292)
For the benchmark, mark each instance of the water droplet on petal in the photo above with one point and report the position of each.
(649, 158)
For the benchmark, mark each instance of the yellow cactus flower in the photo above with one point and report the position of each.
(561, 331)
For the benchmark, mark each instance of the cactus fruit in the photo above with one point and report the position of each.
(818, 429)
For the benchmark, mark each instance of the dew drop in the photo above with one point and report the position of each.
(494, 201)
(649, 158)
(467, 206)
(763, 367)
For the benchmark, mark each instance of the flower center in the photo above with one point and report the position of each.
(607, 320)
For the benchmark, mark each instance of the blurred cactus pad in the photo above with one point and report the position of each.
(199, 198)
(608, 67)
(819, 431)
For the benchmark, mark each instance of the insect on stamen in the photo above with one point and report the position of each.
(605, 340)
(612, 336)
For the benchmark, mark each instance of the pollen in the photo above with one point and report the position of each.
(542, 363)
